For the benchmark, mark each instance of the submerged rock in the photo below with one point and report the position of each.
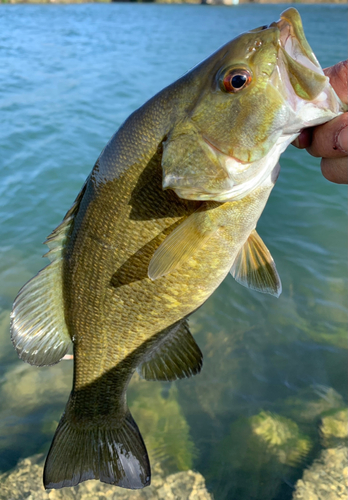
(281, 437)
(333, 429)
(162, 423)
(32, 401)
(257, 455)
(312, 402)
(25, 482)
(326, 478)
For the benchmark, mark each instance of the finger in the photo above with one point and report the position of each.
(335, 169)
(338, 75)
(304, 139)
(330, 140)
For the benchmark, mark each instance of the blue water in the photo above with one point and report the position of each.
(70, 75)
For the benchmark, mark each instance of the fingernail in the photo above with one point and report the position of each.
(342, 140)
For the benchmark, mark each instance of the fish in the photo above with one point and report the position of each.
(168, 211)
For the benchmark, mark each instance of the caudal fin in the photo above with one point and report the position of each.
(115, 455)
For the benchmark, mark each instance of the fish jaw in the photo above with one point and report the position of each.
(298, 74)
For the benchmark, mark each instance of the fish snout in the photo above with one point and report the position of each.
(300, 75)
(303, 69)
(293, 39)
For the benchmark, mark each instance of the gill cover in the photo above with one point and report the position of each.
(190, 164)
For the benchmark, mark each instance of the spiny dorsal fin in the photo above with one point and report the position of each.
(178, 356)
(255, 268)
(182, 244)
(38, 329)
(56, 239)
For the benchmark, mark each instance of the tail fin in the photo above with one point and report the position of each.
(115, 455)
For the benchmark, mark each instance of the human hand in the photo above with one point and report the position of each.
(330, 140)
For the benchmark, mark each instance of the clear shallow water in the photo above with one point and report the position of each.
(70, 76)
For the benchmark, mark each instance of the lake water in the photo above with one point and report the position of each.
(70, 75)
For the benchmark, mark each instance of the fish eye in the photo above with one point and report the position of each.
(235, 80)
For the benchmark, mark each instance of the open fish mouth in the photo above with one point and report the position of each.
(294, 42)
(299, 73)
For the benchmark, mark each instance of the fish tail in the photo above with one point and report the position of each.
(113, 453)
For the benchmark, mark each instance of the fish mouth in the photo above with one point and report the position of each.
(300, 77)
(296, 61)
(294, 42)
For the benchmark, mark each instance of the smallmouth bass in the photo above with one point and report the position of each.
(169, 209)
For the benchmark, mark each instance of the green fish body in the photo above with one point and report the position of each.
(169, 209)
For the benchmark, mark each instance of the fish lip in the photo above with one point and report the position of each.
(294, 52)
(312, 100)
(293, 41)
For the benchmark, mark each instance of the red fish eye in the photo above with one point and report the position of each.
(236, 80)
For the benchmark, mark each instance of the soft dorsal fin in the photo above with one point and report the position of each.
(182, 243)
(38, 328)
(178, 356)
(255, 268)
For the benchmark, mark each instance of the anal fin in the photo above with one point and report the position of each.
(254, 267)
(176, 357)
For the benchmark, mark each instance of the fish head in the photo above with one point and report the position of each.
(248, 101)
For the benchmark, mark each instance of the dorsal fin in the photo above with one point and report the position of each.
(255, 268)
(57, 238)
(38, 328)
(178, 356)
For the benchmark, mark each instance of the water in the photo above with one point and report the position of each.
(70, 76)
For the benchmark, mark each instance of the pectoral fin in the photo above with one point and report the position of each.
(181, 244)
(178, 356)
(254, 267)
